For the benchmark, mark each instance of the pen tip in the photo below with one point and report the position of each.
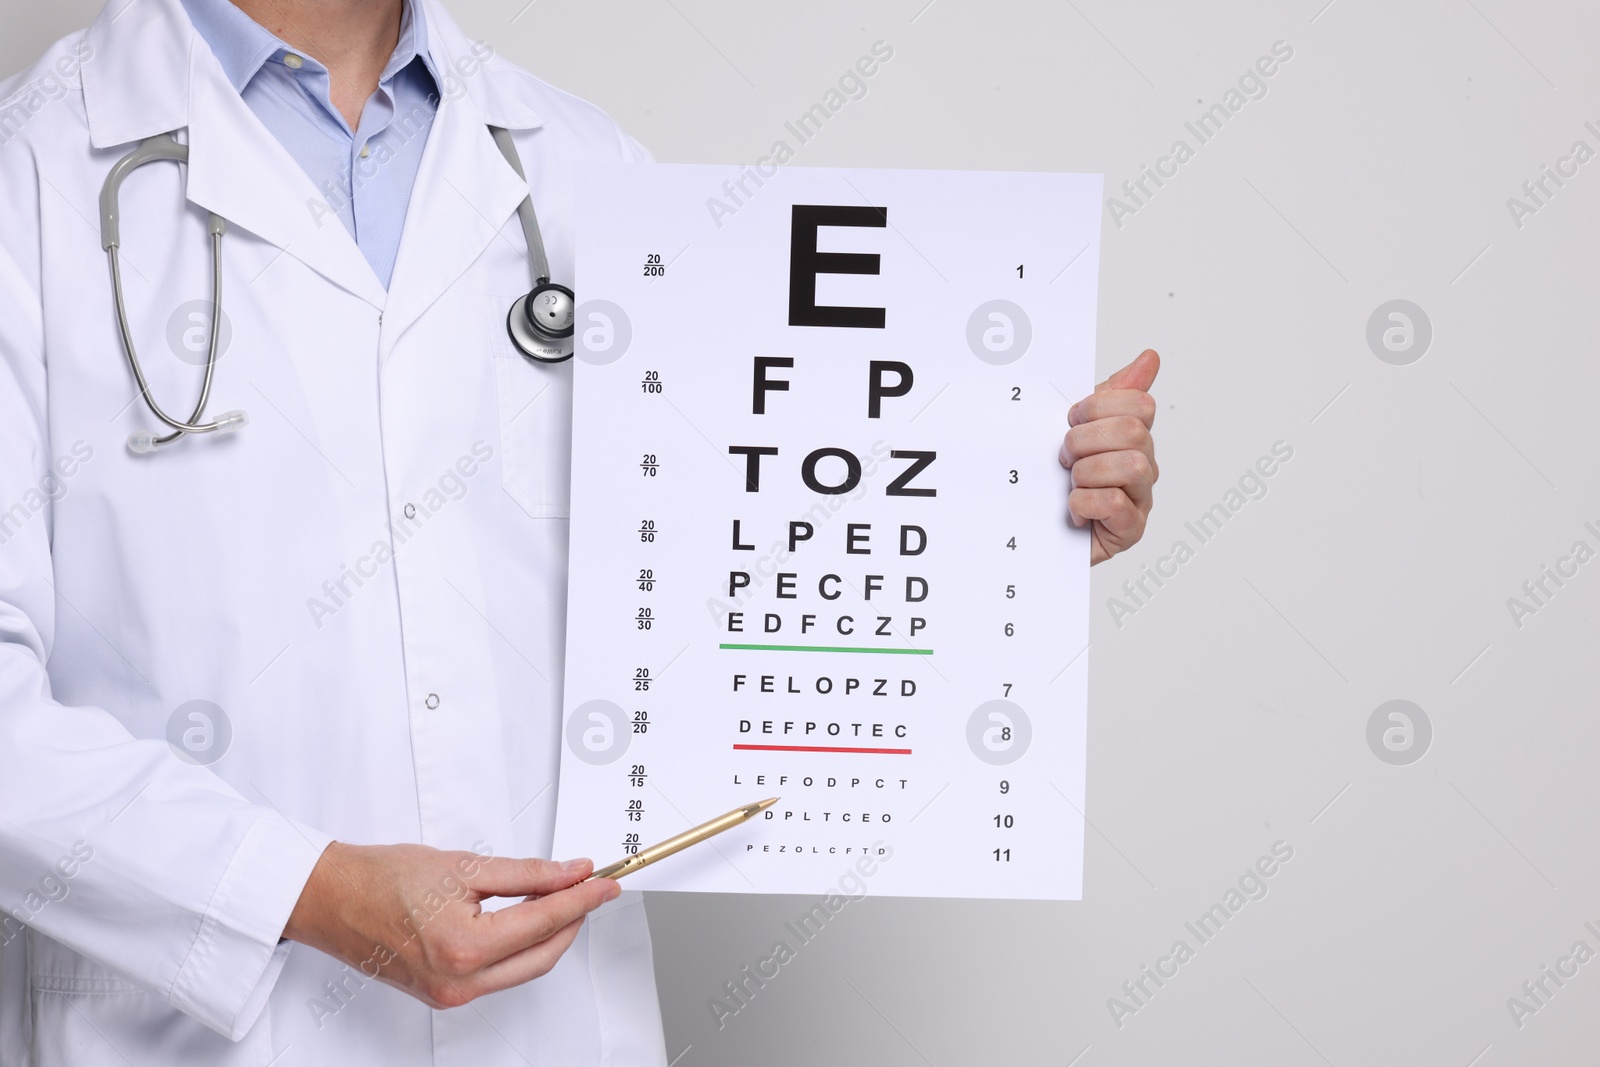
(765, 804)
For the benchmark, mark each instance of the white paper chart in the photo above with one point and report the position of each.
(820, 542)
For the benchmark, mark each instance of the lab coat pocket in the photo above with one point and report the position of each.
(87, 1016)
(535, 402)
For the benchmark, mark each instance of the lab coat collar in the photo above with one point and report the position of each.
(465, 191)
(470, 68)
(136, 78)
(465, 195)
(239, 170)
(150, 73)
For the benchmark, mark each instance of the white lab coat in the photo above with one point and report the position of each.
(277, 574)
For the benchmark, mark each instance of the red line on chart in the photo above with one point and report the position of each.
(821, 748)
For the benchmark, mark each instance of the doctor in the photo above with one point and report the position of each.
(278, 708)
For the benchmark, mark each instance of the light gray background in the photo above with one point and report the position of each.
(1231, 710)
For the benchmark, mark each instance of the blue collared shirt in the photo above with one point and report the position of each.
(364, 176)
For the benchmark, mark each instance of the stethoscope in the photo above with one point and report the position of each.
(539, 324)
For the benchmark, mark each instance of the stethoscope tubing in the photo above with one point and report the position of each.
(150, 150)
(192, 424)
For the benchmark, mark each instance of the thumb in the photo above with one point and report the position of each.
(1140, 374)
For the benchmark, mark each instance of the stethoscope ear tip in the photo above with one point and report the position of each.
(141, 444)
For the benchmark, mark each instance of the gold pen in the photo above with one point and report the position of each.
(646, 856)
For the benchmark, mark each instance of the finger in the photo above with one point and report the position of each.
(1113, 509)
(507, 877)
(1116, 434)
(535, 961)
(1140, 374)
(1111, 403)
(513, 929)
(1129, 471)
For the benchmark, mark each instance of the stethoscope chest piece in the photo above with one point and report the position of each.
(540, 324)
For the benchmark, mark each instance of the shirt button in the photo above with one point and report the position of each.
(366, 150)
(292, 61)
(411, 511)
(432, 701)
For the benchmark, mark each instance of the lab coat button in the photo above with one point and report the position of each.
(411, 511)
(432, 701)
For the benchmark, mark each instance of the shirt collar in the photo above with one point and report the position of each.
(243, 46)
